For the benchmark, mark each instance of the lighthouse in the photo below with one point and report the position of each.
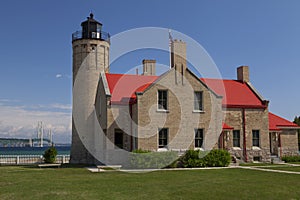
(90, 58)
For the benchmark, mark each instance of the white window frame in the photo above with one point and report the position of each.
(158, 101)
(198, 102)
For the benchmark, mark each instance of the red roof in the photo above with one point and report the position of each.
(276, 122)
(124, 86)
(235, 93)
(227, 127)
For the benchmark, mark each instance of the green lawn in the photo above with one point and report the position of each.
(78, 183)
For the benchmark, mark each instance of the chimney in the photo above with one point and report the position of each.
(149, 67)
(243, 74)
(178, 55)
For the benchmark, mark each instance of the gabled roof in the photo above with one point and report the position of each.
(235, 93)
(276, 123)
(124, 86)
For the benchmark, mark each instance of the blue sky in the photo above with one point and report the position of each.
(36, 53)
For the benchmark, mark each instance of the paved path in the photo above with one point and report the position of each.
(258, 168)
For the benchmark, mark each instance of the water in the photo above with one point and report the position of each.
(61, 150)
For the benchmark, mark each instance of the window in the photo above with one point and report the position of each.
(163, 138)
(198, 101)
(162, 100)
(255, 138)
(236, 138)
(198, 138)
(119, 138)
(257, 158)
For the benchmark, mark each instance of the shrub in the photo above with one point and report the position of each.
(50, 155)
(141, 159)
(290, 159)
(193, 158)
(217, 158)
(197, 158)
(140, 151)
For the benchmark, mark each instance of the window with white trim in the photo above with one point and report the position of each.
(198, 101)
(199, 138)
(163, 138)
(162, 100)
(236, 138)
(255, 138)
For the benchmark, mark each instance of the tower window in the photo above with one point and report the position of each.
(119, 138)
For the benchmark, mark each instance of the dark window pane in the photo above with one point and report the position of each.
(163, 138)
(119, 138)
(198, 101)
(198, 138)
(162, 99)
(236, 138)
(255, 138)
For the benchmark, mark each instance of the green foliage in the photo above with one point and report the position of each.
(213, 158)
(140, 151)
(50, 155)
(142, 159)
(290, 159)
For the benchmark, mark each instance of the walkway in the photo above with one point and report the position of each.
(258, 168)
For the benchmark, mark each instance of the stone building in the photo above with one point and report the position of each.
(114, 114)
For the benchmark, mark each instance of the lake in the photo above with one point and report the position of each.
(61, 150)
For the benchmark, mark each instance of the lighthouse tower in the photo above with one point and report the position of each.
(90, 59)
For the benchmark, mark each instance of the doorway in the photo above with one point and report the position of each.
(274, 143)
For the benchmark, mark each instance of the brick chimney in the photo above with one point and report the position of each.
(149, 67)
(178, 55)
(243, 74)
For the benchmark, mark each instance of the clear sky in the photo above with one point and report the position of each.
(36, 51)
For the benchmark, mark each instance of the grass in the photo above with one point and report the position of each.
(78, 183)
(255, 164)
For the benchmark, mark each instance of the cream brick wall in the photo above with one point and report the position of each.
(180, 118)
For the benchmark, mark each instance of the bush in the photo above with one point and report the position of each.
(217, 158)
(141, 159)
(213, 158)
(50, 155)
(290, 159)
(140, 151)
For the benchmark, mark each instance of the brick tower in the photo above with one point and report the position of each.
(90, 59)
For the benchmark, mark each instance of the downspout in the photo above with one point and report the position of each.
(131, 134)
(279, 141)
(244, 136)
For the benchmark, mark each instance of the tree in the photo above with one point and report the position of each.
(50, 155)
(297, 121)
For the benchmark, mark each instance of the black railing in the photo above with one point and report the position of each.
(100, 35)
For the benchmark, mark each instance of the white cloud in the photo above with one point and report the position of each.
(17, 121)
(63, 76)
(62, 106)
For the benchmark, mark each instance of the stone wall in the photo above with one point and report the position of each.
(289, 143)
(255, 119)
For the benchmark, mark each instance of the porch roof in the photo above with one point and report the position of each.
(277, 123)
